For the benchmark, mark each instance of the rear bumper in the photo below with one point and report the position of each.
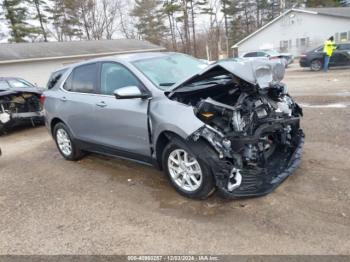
(28, 115)
(304, 63)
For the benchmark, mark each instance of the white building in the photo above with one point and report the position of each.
(298, 30)
(36, 61)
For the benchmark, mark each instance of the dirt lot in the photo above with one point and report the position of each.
(102, 205)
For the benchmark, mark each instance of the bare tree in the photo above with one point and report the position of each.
(126, 24)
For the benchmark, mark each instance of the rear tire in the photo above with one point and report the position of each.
(187, 172)
(65, 144)
(316, 65)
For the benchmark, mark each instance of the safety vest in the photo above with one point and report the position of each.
(328, 47)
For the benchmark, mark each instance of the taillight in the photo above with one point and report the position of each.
(303, 55)
(273, 57)
(42, 99)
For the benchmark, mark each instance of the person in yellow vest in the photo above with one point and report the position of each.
(328, 49)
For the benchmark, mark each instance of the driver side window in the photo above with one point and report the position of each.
(115, 76)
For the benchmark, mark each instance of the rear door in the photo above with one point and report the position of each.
(121, 123)
(77, 100)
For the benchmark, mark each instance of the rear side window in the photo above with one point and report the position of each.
(252, 54)
(83, 79)
(55, 78)
(344, 47)
(261, 54)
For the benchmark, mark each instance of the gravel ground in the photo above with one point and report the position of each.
(103, 205)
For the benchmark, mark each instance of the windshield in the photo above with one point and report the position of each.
(165, 71)
(20, 83)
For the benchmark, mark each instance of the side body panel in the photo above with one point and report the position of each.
(122, 124)
(74, 109)
(168, 115)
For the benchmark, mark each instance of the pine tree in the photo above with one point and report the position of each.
(171, 8)
(17, 16)
(40, 5)
(150, 24)
(65, 22)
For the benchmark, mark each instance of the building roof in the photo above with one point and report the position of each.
(22, 52)
(342, 12)
(332, 11)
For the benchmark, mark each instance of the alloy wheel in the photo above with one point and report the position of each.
(316, 65)
(184, 170)
(63, 142)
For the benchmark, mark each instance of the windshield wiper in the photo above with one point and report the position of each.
(166, 84)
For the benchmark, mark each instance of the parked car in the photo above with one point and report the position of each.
(314, 58)
(19, 103)
(271, 54)
(287, 56)
(230, 125)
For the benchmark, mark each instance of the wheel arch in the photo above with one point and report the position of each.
(162, 140)
(54, 122)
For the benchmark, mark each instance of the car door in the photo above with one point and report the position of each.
(339, 58)
(76, 102)
(121, 123)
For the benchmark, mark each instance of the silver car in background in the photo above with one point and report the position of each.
(229, 126)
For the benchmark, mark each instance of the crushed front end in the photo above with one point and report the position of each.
(20, 106)
(255, 132)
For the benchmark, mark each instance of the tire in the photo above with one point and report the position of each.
(316, 65)
(206, 182)
(73, 153)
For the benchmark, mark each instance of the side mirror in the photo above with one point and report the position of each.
(129, 92)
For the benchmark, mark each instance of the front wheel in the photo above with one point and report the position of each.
(189, 175)
(316, 65)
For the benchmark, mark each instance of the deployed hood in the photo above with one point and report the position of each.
(254, 71)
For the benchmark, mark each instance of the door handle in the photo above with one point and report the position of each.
(101, 104)
(63, 99)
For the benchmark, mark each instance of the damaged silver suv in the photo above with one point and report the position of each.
(230, 126)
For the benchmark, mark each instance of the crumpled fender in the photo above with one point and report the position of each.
(168, 115)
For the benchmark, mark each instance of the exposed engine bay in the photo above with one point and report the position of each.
(253, 127)
(17, 106)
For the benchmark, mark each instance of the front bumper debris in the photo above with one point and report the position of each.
(258, 181)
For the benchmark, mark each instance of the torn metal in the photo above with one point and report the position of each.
(19, 105)
(251, 122)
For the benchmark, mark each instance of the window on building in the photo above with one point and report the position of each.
(303, 42)
(284, 45)
(343, 37)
